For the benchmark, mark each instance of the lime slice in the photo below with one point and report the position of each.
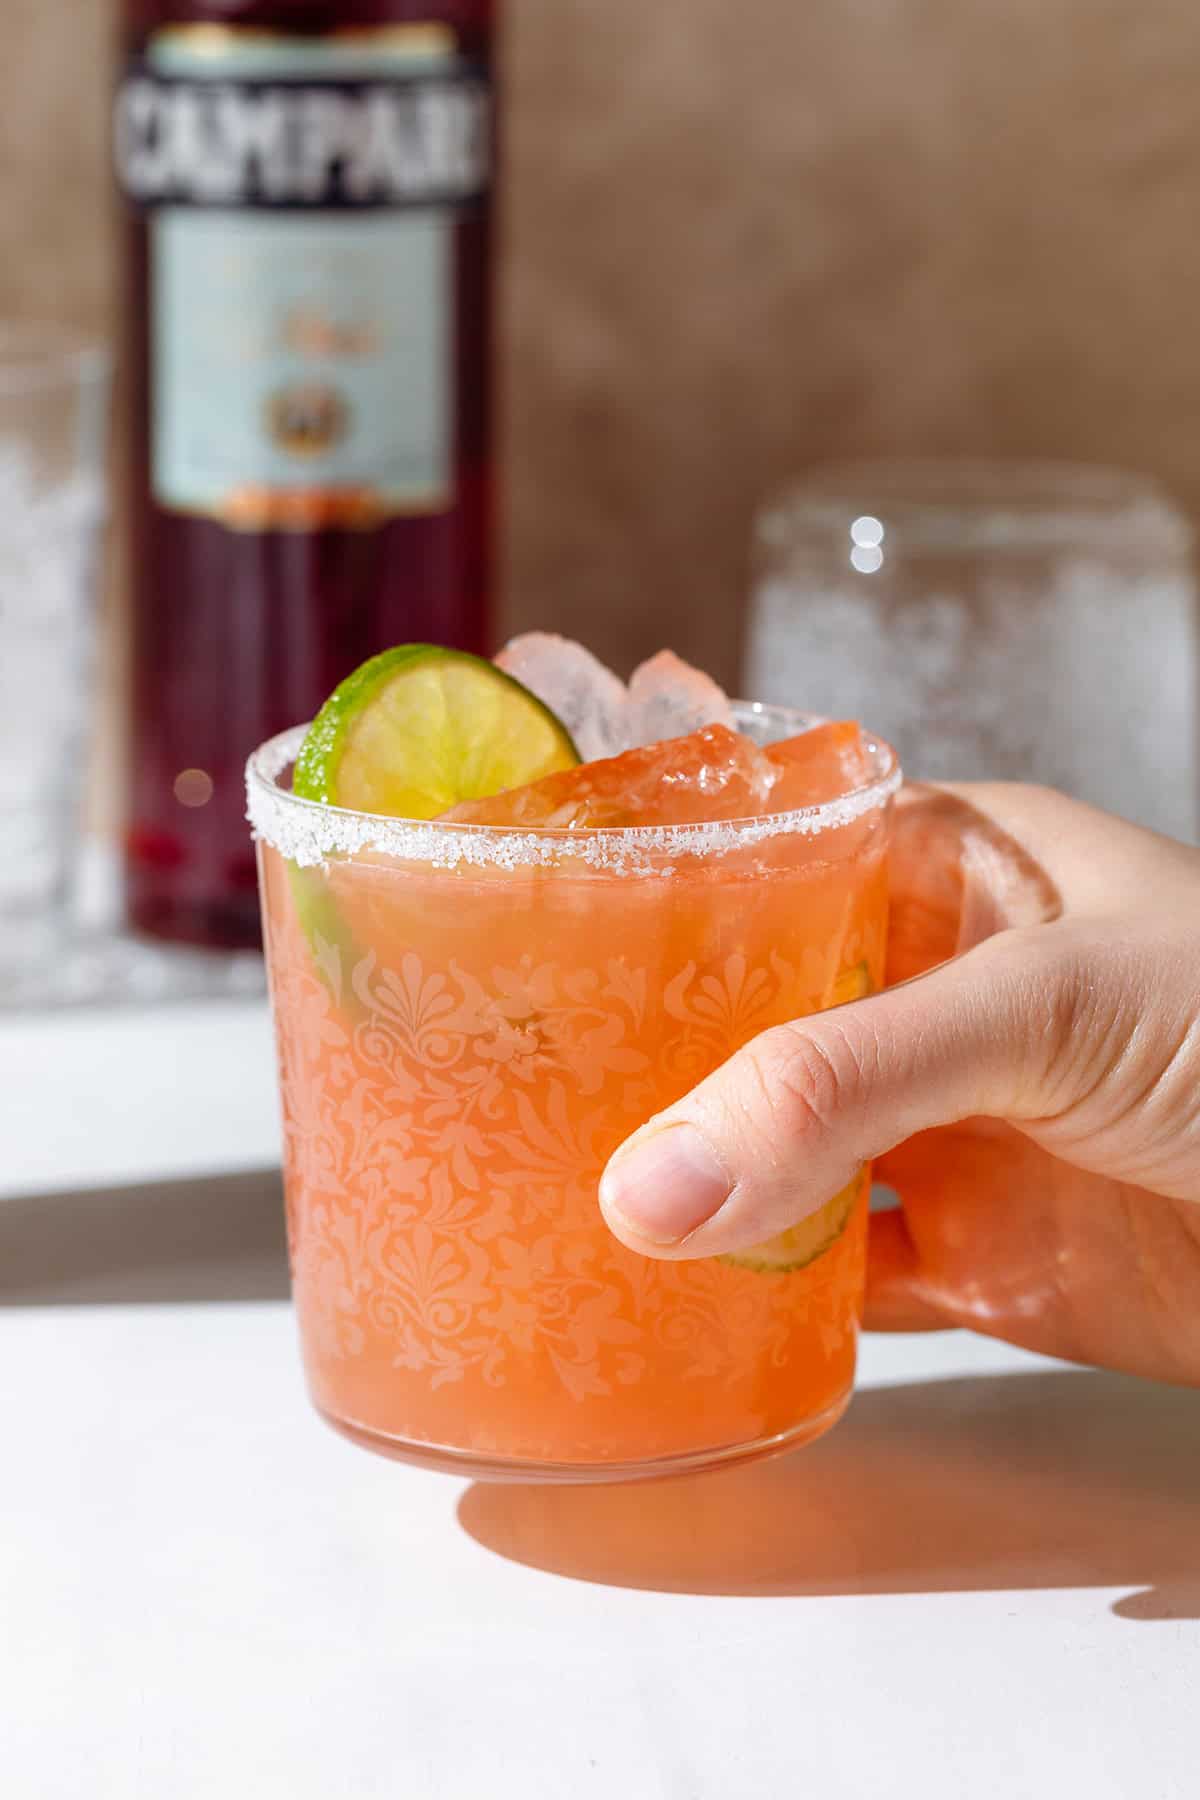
(803, 1243)
(417, 729)
(409, 734)
(852, 984)
(332, 945)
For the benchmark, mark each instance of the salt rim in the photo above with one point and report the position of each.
(309, 832)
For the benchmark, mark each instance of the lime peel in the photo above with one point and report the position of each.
(802, 1244)
(419, 728)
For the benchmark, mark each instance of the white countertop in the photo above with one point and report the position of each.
(985, 1582)
(97, 1095)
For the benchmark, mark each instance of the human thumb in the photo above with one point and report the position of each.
(786, 1122)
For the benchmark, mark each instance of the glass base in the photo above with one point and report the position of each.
(530, 1471)
(57, 966)
(80, 953)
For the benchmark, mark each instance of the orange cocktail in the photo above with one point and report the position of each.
(469, 1021)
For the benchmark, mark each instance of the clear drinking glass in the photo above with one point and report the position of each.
(1025, 621)
(53, 438)
(469, 1021)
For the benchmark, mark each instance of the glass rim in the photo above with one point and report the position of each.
(309, 832)
(38, 353)
(957, 502)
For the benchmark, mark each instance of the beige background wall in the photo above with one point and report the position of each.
(743, 237)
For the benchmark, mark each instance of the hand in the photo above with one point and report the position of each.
(1031, 1090)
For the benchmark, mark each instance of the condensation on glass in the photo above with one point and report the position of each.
(1021, 621)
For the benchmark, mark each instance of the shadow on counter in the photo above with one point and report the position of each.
(1071, 1479)
(212, 1238)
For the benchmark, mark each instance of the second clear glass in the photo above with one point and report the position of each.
(53, 441)
(1003, 620)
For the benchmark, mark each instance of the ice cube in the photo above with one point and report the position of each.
(589, 699)
(708, 775)
(670, 699)
(820, 764)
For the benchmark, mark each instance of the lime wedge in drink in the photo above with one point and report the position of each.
(852, 984)
(803, 1243)
(418, 729)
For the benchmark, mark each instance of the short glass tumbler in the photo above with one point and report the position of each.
(469, 1020)
(1018, 621)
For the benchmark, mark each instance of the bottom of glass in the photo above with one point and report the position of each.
(478, 1467)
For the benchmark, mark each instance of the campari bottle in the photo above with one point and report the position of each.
(306, 188)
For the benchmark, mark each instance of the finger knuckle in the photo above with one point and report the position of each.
(1047, 1000)
(803, 1081)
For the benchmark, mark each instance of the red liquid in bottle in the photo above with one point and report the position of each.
(308, 256)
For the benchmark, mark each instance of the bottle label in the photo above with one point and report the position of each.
(302, 195)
